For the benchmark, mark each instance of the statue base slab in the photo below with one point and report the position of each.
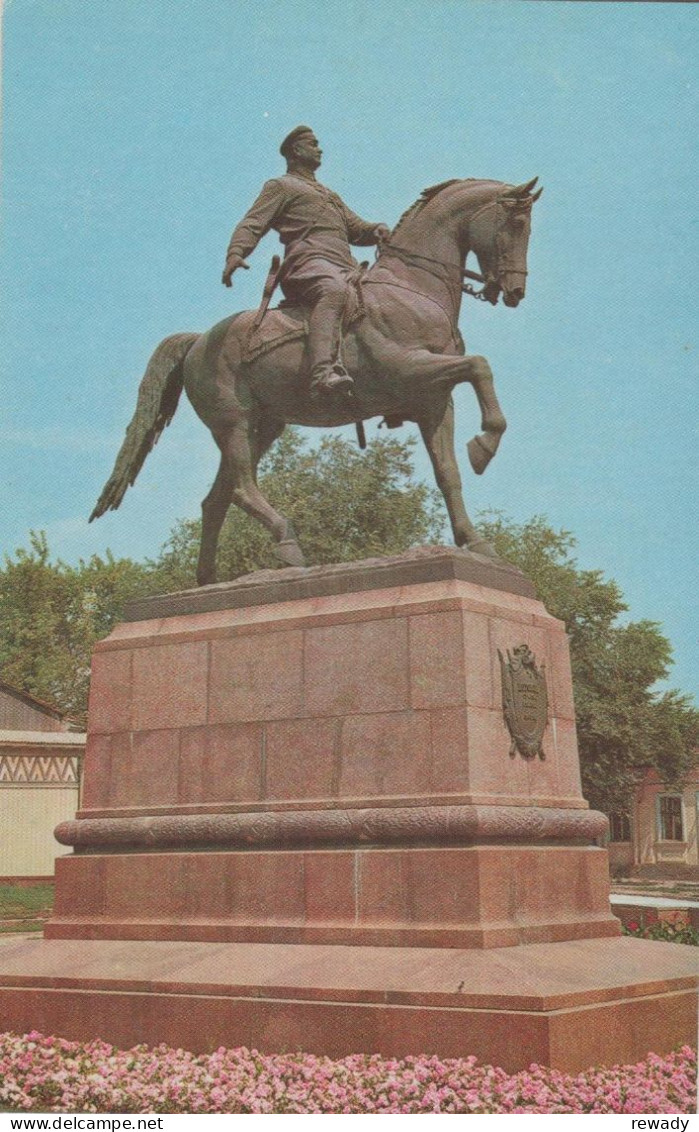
(566, 1005)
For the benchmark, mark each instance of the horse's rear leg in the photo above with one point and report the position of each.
(269, 430)
(213, 512)
(437, 428)
(235, 483)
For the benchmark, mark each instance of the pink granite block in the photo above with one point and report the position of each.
(259, 677)
(268, 888)
(383, 895)
(357, 668)
(97, 769)
(455, 899)
(386, 754)
(169, 686)
(146, 774)
(449, 740)
(130, 634)
(330, 887)
(565, 745)
(560, 681)
(436, 660)
(542, 774)
(206, 886)
(547, 885)
(301, 758)
(491, 768)
(496, 868)
(116, 752)
(79, 886)
(481, 689)
(221, 763)
(133, 888)
(382, 602)
(110, 692)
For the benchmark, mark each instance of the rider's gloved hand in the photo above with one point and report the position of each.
(232, 264)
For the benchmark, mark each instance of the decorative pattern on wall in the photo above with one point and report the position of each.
(44, 770)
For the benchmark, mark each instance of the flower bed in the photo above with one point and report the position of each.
(669, 929)
(38, 1072)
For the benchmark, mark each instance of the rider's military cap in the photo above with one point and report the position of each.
(299, 131)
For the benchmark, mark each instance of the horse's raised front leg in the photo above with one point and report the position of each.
(482, 448)
(436, 370)
(235, 483)
(437, 428)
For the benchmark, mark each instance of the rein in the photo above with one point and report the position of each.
(407, 257)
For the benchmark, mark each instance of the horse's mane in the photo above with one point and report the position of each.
(430, 193)
(425, 196)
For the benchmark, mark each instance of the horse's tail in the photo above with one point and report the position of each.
(158, 397)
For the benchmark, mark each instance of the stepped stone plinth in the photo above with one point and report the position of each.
(309, 821)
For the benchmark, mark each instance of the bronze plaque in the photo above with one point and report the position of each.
(524, 701)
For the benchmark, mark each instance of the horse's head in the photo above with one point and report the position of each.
(498, 233)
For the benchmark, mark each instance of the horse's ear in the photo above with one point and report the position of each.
(537, 194)
(522, 190)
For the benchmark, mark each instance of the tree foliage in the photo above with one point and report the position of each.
(51, 615)
(623, 723)
(345, 505)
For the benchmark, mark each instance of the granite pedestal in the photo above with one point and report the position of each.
(302, 827)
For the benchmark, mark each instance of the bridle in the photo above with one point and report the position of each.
(443, 275)
(501, 266)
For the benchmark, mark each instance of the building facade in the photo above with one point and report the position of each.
(659, 836)
(41, 757)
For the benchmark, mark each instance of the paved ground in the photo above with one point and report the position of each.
(673, 890)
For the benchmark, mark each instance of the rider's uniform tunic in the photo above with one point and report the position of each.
(316, 228)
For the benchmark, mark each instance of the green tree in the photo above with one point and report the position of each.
(51, 615)
(345, 504)
(624, 723)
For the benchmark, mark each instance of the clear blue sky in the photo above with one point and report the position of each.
(135, 134)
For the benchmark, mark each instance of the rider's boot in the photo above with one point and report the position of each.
(328, 375)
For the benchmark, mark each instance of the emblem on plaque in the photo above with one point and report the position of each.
(524, 701)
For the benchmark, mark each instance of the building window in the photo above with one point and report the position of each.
(619, 827)
(670, 824)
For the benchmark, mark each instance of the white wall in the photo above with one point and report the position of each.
(39, 787)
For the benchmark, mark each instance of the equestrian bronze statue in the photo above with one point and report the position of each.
(250, 376)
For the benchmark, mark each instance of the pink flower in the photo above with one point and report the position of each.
(62, 1076)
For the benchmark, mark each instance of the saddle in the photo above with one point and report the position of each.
(279, 326)
(288, 322)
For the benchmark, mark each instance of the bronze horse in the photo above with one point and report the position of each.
(404, 351)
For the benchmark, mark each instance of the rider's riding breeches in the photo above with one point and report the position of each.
(324, 326)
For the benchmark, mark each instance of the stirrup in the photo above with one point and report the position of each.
(334, 379)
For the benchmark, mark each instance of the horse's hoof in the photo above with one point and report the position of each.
(290, 553)
(479, 455)
(483, 547)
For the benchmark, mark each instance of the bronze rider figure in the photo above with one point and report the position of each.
(316, 228)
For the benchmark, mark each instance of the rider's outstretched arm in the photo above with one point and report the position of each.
(256, 222)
